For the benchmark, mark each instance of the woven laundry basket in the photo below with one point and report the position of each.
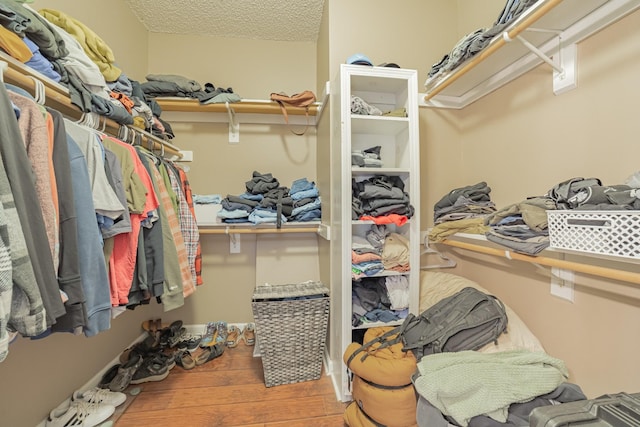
(291, 328)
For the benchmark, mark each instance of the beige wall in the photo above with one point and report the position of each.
(115, 24)
(522, 140)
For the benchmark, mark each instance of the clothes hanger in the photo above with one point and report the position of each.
(446, 262)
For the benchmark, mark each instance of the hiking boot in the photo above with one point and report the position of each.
(210, 334)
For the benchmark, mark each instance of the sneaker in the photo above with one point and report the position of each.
(176, 337)
(99, 395)
(125, 373)
(249, 334)
(233, 336)
(190, 343)
(222, 332)
(109, 376)
(152, 369)
(210, 334)
(80, 414)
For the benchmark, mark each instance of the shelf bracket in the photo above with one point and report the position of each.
(564, 64)
(234, 125)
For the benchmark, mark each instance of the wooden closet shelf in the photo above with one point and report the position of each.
(187, 105)
(594, 270)
(57, 97)
(312, 227)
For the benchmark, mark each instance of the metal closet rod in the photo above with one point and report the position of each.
(608, 273)
(61, 102)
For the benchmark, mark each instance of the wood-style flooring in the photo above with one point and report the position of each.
(229, 391)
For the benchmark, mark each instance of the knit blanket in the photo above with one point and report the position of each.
(467, 383)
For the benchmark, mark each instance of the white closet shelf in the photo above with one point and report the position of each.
(378, 125)
(559, 26)
(478, 243)
(57, 97)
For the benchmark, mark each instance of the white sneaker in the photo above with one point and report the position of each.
(79, 414)
(100, 395)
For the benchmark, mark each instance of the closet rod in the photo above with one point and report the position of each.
(526, 22)
(609, 273)
(60, 101)
(257, 230)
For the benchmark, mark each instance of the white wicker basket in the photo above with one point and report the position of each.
(615, 233)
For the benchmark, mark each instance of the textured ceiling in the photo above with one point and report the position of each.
(284, 20)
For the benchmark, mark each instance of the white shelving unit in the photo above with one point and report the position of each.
(546, 32)
(388, 89)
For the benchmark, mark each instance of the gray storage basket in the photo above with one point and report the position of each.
(291, 330)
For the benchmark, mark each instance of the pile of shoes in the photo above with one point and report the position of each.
(86, 408)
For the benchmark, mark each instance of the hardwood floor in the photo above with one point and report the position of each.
(229, 391)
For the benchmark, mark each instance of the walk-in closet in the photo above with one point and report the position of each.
(458, 144)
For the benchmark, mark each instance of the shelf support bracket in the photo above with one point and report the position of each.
(564, 64)
(234, 125)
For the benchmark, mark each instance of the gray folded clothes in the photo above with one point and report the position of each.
(465, 204)
(400, 209)
(562, 192)
(107, 108)
(530, 246)
(38, 29)
(261, 183)
(222, 98)
(519, 231)
(237, 199)
(478, 193)
(160, 88)
(376, 235)
(594, 195)
(13, 21)
(235, 206)
(356, 208)
(373, 191)
(371, 204)
(183, 83)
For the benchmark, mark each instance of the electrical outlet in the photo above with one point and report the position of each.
(234, 243)
(562, 283)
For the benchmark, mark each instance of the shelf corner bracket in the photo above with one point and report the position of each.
(564, 64)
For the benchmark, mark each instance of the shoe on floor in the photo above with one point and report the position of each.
(209, 353)
(185, 360)
(249, 334)
(233, 336)
(125, 373)
(222, 332)
(152, 369)
(100, 395)
(80, 414)
(109, 376)
(210, 334)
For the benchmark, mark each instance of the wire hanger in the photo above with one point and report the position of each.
(446, 262)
